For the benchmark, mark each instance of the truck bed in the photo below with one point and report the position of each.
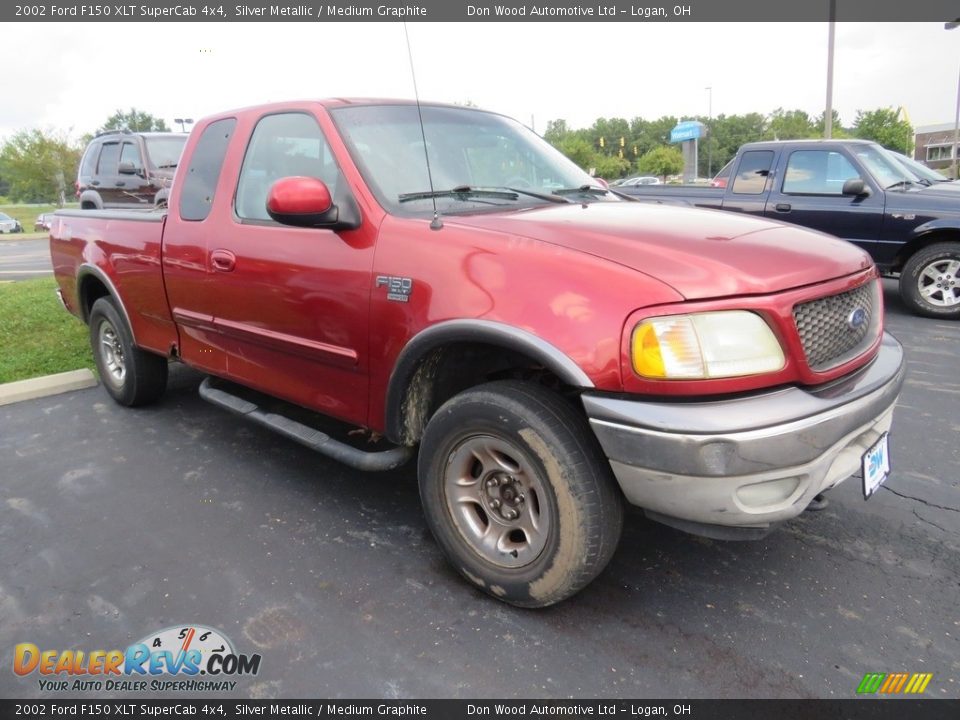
(121, 248)
(692, 195)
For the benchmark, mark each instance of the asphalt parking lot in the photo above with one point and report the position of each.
(116, 523)
(24, 259)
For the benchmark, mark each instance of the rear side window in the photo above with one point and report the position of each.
(109, 156)
(817, 172)
(200, 182)
(753, 172)
(89, 162)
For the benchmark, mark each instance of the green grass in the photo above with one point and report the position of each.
(27, 215)
(40, 337)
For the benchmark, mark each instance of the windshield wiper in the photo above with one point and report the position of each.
(461, 192)
(900, 183)
(581, 189)
(466, 192)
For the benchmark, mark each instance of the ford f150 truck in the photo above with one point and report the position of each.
(443, 278)
(852, 189)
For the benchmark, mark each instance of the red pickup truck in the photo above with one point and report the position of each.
(443, 278)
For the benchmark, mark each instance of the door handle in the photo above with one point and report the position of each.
(121, 183)
(782, 207)
(94, 182)
(223, 260)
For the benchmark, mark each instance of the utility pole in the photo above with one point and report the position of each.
(828, 113)
(956, 117)
(709, 131)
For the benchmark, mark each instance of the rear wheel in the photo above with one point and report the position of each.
(132, 376)
(518, 494)
(930, 281)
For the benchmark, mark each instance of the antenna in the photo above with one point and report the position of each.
(436, 223)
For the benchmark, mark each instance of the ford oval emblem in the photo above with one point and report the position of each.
(857, 319)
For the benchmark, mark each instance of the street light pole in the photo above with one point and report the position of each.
(956, 117)
(828, 113)
(709, 131)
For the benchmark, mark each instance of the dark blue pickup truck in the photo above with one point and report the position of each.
(852, 189)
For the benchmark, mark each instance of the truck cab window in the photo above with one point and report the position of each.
(753, 172)
(817, 172)
(201, 177)
(285, 145)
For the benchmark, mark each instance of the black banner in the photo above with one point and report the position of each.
(480, 10)
(888, 709)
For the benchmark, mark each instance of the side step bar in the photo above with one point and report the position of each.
(311, 438)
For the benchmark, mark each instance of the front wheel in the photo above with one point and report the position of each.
(518, 494)
(930, 281)
(132, 376)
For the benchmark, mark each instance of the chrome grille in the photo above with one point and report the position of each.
(828, 331)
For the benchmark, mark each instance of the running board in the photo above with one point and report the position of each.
(307, 436)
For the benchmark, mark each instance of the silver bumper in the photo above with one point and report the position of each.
(748, 461)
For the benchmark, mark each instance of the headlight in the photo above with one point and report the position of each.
(705, 345)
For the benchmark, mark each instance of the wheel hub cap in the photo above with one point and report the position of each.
(497, 500)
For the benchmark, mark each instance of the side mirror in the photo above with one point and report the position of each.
(854, 187)
(306, 202)
(126, 168)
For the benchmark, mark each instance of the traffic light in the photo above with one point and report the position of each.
(621, 142)
(602, 143)
(635, 151)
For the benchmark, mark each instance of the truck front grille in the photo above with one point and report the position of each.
(838, 328)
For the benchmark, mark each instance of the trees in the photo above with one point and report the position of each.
(661, 161)
(38, 165)
(885, 127)
(135, 120)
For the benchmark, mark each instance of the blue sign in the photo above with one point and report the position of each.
(687, 130)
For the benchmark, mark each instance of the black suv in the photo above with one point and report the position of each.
(121, 168)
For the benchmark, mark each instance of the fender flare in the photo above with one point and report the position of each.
(476, 331)
(86, 270)
(91, 196)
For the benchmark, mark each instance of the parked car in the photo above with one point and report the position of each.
(546, 349)
(42, 222)
(855, 190)
(720, 179)
(637, 180)
(9, 224)
(123, 169)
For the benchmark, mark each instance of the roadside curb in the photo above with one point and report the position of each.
(33, 388)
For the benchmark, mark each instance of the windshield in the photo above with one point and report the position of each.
(165, 151)
(887, 171)
(919, 169)
(4, 217)
(467, 148)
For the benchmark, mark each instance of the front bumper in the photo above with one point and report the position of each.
(750, 461)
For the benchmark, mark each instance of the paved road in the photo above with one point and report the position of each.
(24, 259)
(116, 522)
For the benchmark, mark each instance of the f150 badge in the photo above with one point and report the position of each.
(398, 288)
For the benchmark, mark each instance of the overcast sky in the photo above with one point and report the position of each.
(72, 77)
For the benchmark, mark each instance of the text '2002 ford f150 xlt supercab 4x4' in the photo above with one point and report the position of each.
(444, 278)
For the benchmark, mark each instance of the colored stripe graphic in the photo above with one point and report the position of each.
(894, 683)
(871, 682)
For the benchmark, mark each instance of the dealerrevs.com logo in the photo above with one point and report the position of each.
(181, 658)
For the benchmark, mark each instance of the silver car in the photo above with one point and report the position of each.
(9, 224)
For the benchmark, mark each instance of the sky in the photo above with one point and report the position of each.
(71, 77)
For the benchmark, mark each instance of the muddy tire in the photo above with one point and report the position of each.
(518, 493)
(930, 281)
(132, 376)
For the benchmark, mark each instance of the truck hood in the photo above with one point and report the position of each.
(699, 253)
